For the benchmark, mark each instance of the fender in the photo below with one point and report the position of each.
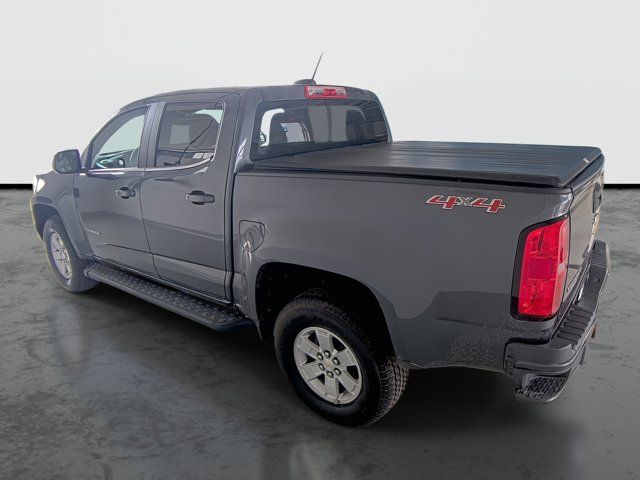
(58, 195)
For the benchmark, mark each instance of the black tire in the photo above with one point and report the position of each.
(383, 378)
(77, 282)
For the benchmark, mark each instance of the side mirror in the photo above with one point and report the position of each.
(67, 161)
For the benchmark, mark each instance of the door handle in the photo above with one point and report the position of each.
(124, 192)
(198, 197)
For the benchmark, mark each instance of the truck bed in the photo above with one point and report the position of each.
(542, 165)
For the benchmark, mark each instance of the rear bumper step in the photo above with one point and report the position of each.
(540, 371)
(189, 306)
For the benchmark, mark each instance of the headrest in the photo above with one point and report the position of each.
(179, 129)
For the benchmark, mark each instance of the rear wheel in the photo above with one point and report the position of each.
(65, 263)
(337, 368)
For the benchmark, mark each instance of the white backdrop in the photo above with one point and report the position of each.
(496, 70)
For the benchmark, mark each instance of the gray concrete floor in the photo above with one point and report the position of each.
(103, 385)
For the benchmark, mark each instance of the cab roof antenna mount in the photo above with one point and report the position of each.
(310, 81)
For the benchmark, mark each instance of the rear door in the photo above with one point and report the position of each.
(108, 190)
(183, 190)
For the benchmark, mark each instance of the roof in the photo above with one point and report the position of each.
(269, 92)
(160, 96)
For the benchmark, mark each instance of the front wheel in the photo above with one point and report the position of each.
(65, 263)
(337, 368)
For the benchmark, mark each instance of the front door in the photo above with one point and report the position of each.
(108, 191)
(183, 190)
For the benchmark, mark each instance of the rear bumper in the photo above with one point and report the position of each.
(540, 371)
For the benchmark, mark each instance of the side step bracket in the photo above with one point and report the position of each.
(189, 306)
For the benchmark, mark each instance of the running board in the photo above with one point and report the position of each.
(194, 308)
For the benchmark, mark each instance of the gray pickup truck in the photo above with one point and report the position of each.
(290, 208)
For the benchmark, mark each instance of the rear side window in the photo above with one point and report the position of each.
(300, 126)
(188, 134)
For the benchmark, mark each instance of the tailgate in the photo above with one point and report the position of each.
(585, 216)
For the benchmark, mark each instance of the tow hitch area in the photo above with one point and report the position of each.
(540, 372)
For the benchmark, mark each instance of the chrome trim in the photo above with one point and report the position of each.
(182, 167)
(114, 170)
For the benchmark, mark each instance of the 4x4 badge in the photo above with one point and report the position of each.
(447, 203)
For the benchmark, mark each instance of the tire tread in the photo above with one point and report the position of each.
(393, 375)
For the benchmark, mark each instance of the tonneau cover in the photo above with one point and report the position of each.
(545, 165)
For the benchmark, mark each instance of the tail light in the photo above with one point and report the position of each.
(320, 91)
(545, 255)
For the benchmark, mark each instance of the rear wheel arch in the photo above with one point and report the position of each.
(347, 377)
(277, 283)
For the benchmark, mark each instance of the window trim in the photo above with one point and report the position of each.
(86, 167)
(156, 133)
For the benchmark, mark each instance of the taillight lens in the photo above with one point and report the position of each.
(544, 270)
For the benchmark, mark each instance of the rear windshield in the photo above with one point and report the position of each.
(301, 126)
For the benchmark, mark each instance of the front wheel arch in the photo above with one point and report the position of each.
(77, 281)
(41, 213)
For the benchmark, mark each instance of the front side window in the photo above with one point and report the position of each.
(118, 144)
(300, 126)
(188, 134)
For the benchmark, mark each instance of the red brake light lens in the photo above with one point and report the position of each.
(544, 270)
(320, 91)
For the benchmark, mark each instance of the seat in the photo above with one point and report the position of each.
(277, 133)
(180, 132)
(207, 128)
(354, 120)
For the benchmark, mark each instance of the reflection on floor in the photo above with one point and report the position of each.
(102, 385)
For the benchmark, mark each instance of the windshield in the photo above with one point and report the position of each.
(300, 126)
